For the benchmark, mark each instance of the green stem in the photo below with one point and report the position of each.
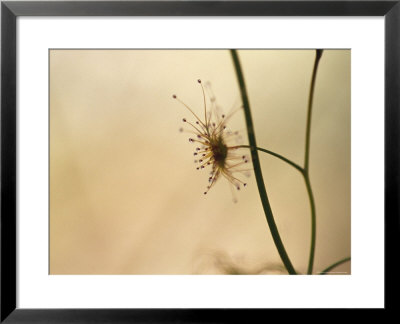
(323, 272)
(257, 167)
(313, 222)
(299, 168)
(306, 164)
(309, 113)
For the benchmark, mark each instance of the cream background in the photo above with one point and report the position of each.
(125, 197)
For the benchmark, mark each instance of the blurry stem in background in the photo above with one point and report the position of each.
(306, 176)
(257, 167)
(334, 265)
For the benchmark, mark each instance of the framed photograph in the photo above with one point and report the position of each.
(197, 161)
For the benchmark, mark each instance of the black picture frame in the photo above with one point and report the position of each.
(10, 10)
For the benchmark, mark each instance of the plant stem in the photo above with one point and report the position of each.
(323, 272)
(309, 113)
(257, 167)
(299, 168)
(306, 164)
(313, 222)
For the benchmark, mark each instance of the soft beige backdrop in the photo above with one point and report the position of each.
(125, 197)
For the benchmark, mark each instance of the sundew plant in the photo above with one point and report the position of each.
(214, 146)
(217, 152)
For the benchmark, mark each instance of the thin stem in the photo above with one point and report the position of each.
(309, 113)
(313, 222)
(323, 272)
(299, 168)
(257, 167)
(306, 164)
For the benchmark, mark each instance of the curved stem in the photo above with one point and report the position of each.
(306, 163)
(299, 168)
(257, 167)
(323, 272)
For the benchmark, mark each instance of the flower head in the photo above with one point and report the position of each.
(213, 148)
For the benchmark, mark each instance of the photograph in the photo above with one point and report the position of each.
(199, 161)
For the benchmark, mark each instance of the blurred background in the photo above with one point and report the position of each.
(125, 195)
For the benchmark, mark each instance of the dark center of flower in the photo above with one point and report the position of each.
(219, 151)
